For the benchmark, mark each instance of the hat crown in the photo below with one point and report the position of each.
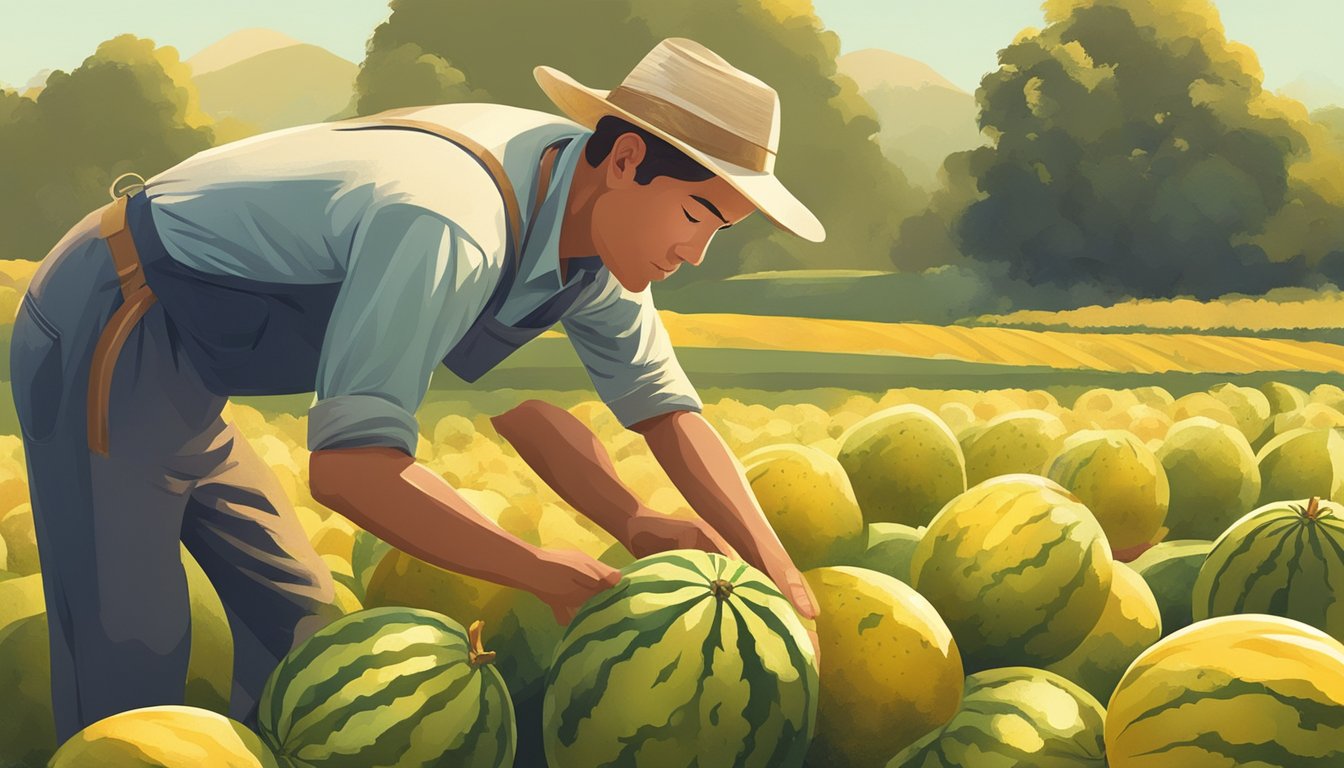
(719, 116)
(695, 79)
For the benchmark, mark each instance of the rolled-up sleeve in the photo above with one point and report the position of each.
(414, 283)
(621, 340)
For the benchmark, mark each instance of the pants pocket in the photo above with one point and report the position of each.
(37, 372)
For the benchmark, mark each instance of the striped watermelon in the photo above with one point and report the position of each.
(1018, 568)
(388, 687)
(1128, 625)
(893, 672)
(523, 629)
(1284, 559)
(692, 657)
(1249, 690)
(1170, 569)
(164, 736)
(1015, 716)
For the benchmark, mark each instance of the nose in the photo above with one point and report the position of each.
(691, 253)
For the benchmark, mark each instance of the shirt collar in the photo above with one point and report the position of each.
(540, 263)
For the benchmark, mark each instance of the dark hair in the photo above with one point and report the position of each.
(660, 157)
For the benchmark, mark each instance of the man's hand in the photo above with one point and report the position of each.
(712, 481)
(649, 532)
(582, 578)
(386, 492)
(777, 564)
(564, 452)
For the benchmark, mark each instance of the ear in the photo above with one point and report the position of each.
(626, 154)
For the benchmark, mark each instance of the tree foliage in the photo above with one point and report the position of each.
(128, 107)
(1135, 149)
(432, 51)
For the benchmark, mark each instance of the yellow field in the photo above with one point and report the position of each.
(1310, 309)
(1121, 352)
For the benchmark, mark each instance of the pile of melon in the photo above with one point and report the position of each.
(1132, 580)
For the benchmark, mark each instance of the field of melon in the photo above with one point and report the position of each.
(1114, 537)
(1124, 577)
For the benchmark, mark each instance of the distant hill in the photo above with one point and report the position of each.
(1315, 91)
(237, 46)
(924, 116)
(874, 68)
(35, 84)
(279, 88)
(1333, 119)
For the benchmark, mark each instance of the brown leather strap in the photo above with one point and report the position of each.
(137, 298)
(543, 178)
(105, 355)
(112, 228)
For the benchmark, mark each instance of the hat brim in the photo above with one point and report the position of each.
(587, 105)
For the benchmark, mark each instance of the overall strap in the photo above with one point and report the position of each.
(393, 118)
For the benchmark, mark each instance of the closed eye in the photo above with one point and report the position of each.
(688, 216)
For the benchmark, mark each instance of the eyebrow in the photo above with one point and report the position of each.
(711, 208)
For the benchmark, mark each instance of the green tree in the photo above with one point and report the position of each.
(128, 107)
(1135, 149)
(405, 75)
(826, 153)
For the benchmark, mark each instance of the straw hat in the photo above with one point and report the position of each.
(720, 116)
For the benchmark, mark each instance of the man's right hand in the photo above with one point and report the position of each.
(386, 492)
(578, 578)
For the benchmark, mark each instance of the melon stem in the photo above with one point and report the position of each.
(721, 589)
(1313, 508)
(475, 653)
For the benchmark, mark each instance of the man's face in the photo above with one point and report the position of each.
(645, 232)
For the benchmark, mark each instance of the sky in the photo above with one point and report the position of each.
(958, 38)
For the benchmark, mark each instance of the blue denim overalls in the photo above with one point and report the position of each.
(108, 527)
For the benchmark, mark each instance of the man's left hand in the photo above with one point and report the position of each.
(777, 564)
(649, 532)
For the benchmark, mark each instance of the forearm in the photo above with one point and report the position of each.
(709, 476)
(570, 459)
(402, 502)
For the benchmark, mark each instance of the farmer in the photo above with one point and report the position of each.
(350, 259)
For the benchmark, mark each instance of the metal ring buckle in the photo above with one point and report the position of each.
(114, 193)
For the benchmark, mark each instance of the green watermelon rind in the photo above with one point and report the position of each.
(323, 684)
(971, 735)
(1067, 561)
(1277, 562)
(780, 711)
(1192, 694)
